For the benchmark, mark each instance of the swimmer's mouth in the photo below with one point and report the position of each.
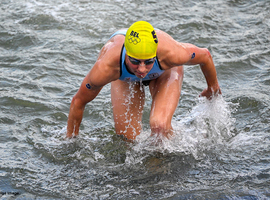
(141, 75)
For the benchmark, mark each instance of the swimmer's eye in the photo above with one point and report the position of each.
(138, 62)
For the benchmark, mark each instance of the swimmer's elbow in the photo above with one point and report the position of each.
(209, 54)
(80, 99)
(207, 57)
(78, 103)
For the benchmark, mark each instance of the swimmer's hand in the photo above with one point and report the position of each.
(72, 132)
(209, 93)
(69, 136)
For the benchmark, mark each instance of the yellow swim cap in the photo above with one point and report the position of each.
(141, 41)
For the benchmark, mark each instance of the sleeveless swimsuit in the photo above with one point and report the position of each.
(126, 75)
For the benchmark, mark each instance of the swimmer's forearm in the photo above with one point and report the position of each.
(74, 118)
(213, 88)
(210, 75)
(85, 94)
(209, 70)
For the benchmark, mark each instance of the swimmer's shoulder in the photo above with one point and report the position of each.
(110, 56)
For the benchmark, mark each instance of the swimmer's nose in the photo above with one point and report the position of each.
(142, 68)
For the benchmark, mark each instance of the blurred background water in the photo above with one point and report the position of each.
(220, 149)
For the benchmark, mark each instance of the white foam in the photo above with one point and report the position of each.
(209, 123)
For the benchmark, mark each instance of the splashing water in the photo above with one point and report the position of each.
(208, 124)
(141, 85)
(213, 118)
(128, 101)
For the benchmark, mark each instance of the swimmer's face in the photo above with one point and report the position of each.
(140, 67)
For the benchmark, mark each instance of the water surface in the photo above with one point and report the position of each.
(220, 149)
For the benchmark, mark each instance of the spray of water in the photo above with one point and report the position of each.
(141, 85)
(208, 124)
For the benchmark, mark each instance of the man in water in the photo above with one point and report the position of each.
(141, 55)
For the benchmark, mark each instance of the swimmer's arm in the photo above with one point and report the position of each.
(104, 71)
(172, 53)
(80, 99)
(202, 56)
(92, 84)
(189, 54)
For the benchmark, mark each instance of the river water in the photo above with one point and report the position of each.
(220, 149)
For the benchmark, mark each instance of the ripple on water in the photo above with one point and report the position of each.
(15, 41)
(42, 22)
(220, 150)
(251, 108)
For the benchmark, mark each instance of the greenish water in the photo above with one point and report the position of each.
(220, 149)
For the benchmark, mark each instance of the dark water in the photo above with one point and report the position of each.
(220, 149)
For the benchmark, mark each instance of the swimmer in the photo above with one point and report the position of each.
(141, 54)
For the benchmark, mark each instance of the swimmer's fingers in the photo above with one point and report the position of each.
(209, 93)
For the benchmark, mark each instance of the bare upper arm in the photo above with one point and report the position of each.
(105, 70)
(172, 53)
(107, 67)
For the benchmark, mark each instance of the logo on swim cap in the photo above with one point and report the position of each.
(141, 41)
(134, 38)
